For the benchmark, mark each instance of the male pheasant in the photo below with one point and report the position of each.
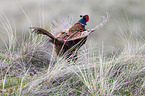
(67, 43)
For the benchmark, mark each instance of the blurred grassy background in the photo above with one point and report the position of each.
(126, 16)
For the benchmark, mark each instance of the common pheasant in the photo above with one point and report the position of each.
(67, 43)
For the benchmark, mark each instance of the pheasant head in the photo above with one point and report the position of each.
(84, 19)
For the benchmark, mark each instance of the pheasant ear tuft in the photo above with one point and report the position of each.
(81, 15)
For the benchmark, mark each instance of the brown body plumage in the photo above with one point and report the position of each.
(67, 43)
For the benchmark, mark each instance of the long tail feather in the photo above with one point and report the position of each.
(39, 30)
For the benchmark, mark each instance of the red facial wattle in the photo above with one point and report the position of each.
(87, 18)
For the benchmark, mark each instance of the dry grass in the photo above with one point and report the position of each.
(31, 68)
